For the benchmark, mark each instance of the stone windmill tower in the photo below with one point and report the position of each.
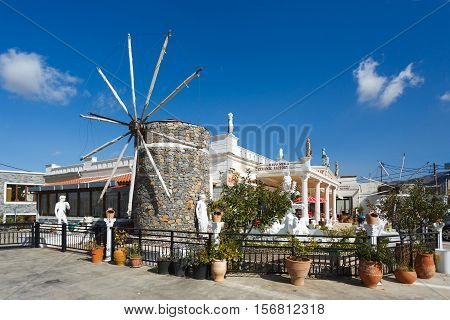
(171, 164)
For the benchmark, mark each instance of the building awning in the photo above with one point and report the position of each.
(118, 181)
(310, 200)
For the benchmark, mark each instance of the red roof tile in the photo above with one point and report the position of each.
(123, 179)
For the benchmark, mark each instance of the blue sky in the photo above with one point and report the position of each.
(259, 57)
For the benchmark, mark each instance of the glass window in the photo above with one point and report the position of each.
(123, 204)
(52, 203)
(112, 201)
(19, 193)
(73, 202)
(43, 204)
(85, 199)
(97, 207)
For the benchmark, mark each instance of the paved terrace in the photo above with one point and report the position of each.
(51, 274)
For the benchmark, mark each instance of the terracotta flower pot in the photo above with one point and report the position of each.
(110, 213)
(136, 262)
(97, 255)
(406, 277)
(370, 273)
(218, 270)
(424, 265)
(298, 270)
(371, 218)
(120, 256)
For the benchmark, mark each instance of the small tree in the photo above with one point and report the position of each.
(415, 209)
(247, 205)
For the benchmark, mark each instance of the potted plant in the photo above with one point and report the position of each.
(178, 267)
(120, 253)
(298, 265)
(200, 265)
(424, 262)
(370, 262)
(135, 256)
(163, 264)
(404, 271)
(220, 254)
(96, 251)
(372, 218)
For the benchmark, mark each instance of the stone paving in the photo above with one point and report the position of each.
(51, 274)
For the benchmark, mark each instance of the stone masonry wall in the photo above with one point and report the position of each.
(184, 169)
(19, 178)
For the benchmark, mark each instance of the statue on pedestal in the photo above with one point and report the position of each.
(280, 154)
(61, 208)
(308, 147)
(336, 169)
(202, 214)
(230, 123)
(325, 159)
(287, 181)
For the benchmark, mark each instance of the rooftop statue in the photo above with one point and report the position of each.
(336, 169)
(230, 123)
(280, 154)
(325, 159)
(308, 147)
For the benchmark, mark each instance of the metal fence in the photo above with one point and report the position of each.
(16, 235)
(156, 244)
(78, 238)
(262, 254)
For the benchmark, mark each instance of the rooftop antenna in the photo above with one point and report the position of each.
(401, 169)
(135, 126)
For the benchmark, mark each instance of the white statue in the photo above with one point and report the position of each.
(202, 215)
(230, 123)
(294, 187)
(61, 208)
(280, 154)
(287, 181)
(325, 159)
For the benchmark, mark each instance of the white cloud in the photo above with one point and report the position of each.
(56, 153)
(28, 75)
(445, 97)
(369, 82)
(377, 90)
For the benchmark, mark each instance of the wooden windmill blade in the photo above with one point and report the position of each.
(133, 94)
(114, 92)
(115, 168)
(132, 182)
(103, 146)
(155, 73)
(174, 93)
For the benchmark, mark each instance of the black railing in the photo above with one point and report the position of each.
(263, 254)
(156, 244)
(79, 238)
(16, 235)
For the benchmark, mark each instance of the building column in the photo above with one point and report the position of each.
(327, 203)
(305, 196)
(334, 204)
(317, 204)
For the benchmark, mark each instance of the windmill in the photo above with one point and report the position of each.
(135, 125)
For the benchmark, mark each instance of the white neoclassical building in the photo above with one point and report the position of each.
(316, 184)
